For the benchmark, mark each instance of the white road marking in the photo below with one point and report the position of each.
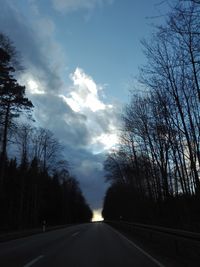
(139, 248)
(34, 261)
(75, 233)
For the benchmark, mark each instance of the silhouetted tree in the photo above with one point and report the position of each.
(36, 184)
(159, 153)
(12, 95)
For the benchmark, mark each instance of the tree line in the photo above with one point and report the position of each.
(154, 173)
(35, 182)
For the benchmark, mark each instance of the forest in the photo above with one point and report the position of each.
(35, 182)
(154, 172)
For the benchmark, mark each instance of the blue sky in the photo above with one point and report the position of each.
(81, 57)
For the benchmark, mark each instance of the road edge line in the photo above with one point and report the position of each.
(33, 261)
(139, 248)
(74, 234)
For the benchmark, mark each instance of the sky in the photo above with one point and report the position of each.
(81, 58)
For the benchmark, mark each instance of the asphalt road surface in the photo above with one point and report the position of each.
(85, 245)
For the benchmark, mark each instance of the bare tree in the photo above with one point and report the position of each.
(45, 148)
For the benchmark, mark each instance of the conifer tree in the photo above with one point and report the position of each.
(12, 95)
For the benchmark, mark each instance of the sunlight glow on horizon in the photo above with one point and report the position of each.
(97, 217)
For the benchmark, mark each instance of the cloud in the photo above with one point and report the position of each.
(102, 122)
(76, 113)
(85, 93)
(86, 133)
(52, 112)
(73, 5)
(92, 183)
(34, 39)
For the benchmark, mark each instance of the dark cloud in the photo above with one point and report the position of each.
(29, 44)
(53, 113)
(88, 168)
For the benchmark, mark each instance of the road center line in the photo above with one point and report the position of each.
(139, 248)
(34, 261)
(75, 233)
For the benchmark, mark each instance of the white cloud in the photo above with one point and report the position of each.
(107, 140)
(73, 5)
(102, 122)
(33, 86)
(80, 118)
(85, 93)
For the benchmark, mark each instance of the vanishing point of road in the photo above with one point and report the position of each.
(85, 245)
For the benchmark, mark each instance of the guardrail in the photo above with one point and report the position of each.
(177, 242)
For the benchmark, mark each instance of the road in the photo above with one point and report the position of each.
(85, 245)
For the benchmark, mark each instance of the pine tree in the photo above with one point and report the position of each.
(12, 95)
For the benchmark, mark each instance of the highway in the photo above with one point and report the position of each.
(85, 245)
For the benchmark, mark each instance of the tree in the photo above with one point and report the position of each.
(45, 148)
(12, 95)
(160, 139)
(22, 138)
(173, 72)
